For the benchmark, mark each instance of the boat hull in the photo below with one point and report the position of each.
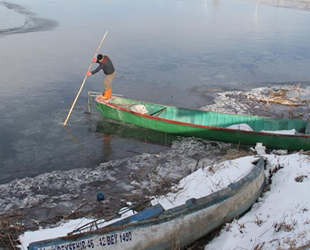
(270, 140)
(174, 228)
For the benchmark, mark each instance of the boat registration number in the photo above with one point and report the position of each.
(95, 242)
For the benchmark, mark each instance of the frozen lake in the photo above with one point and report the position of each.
(174, 52)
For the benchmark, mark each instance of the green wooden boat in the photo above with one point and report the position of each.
(209, 125)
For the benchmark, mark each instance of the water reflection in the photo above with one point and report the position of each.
(107, 149)
(108, 129)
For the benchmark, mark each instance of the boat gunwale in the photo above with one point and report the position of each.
(206, 201)
(201, 126)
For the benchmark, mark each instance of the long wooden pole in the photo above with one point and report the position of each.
(82, 85)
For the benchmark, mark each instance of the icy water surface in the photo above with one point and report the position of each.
(173, 52)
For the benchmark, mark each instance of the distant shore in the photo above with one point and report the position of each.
(294, 4)
(14, 18)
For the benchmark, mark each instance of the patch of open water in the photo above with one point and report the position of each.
(179, 53)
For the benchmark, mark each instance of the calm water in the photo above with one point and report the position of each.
(174, 52)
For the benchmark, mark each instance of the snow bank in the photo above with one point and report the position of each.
(281, 219)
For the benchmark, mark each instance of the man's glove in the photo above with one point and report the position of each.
(94, 60)
(88, 73)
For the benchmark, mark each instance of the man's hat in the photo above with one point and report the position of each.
(99, 57)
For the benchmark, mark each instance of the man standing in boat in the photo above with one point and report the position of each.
(106, 65)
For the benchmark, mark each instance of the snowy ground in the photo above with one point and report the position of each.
(258, 101)
(279, 220)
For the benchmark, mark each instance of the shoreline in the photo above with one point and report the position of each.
(17, 19)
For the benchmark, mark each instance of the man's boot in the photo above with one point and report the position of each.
(107, 94)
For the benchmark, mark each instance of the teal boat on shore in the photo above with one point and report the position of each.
(271, 132)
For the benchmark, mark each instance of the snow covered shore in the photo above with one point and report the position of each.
(204, 181)
(279, 220)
